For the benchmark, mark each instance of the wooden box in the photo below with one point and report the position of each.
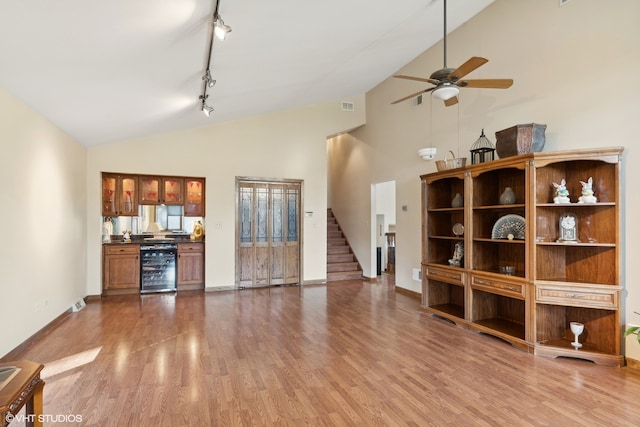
(520, 139)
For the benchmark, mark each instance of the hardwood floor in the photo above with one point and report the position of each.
(349, 353)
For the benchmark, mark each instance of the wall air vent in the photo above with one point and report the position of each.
(348, 106)
(417, 101)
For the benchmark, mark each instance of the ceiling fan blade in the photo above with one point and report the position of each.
(471, 64)
(487, 83)
(419, 79)
(413, 95)
(451, 101)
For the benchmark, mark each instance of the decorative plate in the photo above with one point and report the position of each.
(509, 227)
(458, 229)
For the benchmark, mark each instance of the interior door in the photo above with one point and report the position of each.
(268, 233)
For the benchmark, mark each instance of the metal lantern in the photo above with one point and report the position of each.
(482, 150)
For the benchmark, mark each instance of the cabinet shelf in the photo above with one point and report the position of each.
(450, 309)
(501, 241)
(504, 326)
(577, 244)
(461, 210)
(501, 207)
(573, 205)
(460, 239)
(563, 348)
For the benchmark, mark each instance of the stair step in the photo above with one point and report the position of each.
(337, 276)
(342, 266)
(334, 234)
(336, 242)
(341, 257)
(333, 250)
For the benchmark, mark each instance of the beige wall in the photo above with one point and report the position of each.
(575, 70)
(289, 144)
(42, 260)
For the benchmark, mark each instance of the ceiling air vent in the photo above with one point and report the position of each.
(348, 106)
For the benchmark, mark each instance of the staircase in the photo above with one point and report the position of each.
(341, 262)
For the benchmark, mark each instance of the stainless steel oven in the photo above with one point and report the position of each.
(158, 267)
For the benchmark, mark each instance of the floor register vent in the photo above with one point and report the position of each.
(78, 306)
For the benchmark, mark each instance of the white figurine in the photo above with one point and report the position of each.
(562, 194)
(458, 254)
(587, 192)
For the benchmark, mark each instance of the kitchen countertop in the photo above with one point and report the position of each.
(149, 240)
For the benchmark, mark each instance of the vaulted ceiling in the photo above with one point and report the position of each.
(106, 71)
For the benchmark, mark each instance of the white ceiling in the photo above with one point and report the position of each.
(106, 71)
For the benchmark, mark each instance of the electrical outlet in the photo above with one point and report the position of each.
(416, 274)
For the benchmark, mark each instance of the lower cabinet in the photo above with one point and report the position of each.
(121, 269)
(190, 266)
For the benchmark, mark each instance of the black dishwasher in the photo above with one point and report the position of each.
(158, 267)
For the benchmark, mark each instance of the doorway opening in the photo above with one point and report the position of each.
(384, 195)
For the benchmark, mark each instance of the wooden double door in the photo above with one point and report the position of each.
(268, 232)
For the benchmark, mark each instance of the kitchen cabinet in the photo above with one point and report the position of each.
(155, 190)
(194, 197)
(119, 195)
(121, 269)
(520, 278)
(190, 266)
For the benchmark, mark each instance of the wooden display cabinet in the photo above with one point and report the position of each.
(194, 204)
(119, 195)
(443, 285)
(498, 298)
(156, 190)
(551, 282)
(578, 281)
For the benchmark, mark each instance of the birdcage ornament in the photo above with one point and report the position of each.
(482, 150)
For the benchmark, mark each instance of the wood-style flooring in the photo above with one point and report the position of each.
(350, 353)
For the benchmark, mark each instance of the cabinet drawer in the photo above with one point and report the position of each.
(507, 288)
(445, 275)
(566, 295)
(190, 247)
(123, 249)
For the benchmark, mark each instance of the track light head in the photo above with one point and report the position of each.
(205, 108)
(220, 29)
(210, 81)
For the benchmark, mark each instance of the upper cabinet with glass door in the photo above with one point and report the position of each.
(194, 202)
(119, 195)
(156, 190)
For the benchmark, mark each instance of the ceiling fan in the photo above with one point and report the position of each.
(447, 81)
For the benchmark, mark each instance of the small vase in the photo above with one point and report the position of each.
(457, 201)
(508, 197)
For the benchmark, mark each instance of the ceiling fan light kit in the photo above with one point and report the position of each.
(447, 81)
(445, 91)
